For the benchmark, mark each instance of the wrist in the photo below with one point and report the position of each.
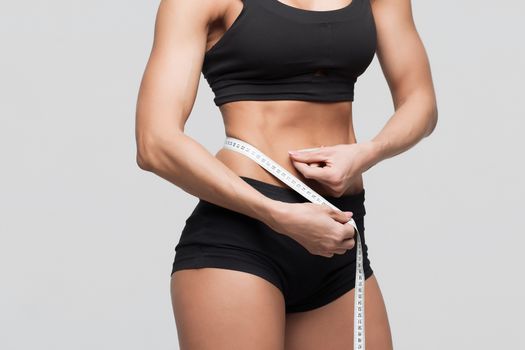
(273, 212)
(372, 155)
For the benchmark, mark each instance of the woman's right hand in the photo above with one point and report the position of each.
(317, 227)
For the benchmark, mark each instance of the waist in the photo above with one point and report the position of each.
(275, 135)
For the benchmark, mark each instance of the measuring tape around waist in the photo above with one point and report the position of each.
(292, 181)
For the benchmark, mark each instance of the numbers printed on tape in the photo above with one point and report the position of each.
(299, 186)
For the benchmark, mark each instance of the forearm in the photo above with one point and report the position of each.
(187, 164)
(413, 120)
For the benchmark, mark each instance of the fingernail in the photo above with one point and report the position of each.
(293, 153)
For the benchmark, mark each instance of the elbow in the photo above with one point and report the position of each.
(432, 119)
(147, 150)
(143, 155)
(428, 110)
(143, 162)
(152, 148)
(424, 104)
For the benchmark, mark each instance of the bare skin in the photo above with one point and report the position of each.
(226, 309)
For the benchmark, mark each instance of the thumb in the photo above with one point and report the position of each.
(343, 216)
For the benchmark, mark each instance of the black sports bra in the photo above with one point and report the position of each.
(274, 51)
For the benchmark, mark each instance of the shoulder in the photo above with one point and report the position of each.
(392, 10)
(198, 12)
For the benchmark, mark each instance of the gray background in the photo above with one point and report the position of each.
(87, 237)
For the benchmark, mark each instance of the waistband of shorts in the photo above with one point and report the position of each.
(287, 194)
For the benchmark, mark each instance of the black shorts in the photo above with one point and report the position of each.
(214, 236)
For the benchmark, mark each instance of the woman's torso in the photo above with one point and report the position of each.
(277, 126)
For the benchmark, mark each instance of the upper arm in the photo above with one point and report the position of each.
(170, 81)
(400, 51)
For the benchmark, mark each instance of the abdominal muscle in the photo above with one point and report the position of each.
(275, 127)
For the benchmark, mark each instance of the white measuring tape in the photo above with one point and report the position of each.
(299, 186)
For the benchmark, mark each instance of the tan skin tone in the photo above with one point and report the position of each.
(226, 309)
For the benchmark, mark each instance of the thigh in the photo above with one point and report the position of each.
(331, 326)
(218, 309)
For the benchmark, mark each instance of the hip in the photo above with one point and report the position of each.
(210, 225)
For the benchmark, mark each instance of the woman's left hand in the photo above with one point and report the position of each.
(334, 167)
